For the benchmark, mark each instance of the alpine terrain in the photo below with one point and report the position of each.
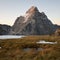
(33, 23)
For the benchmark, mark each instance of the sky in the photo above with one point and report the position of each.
(11, 9)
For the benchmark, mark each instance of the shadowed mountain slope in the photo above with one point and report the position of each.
(4, 29)
(33, 23)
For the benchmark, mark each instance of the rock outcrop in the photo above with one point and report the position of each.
(4, 29)
(57, 26)
(33, 23)
(57, 32)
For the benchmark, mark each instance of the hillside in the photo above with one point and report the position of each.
(4, 29)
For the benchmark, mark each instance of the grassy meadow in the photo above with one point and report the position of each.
(26, 48)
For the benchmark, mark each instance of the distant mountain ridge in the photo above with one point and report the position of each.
(33, 23)
(4, 29)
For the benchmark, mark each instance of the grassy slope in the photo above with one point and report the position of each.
(13, 49)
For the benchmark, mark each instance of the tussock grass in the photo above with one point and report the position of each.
(13, 49)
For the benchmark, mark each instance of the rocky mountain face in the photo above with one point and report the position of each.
(4, 29)
(57, 32)
(57, 26)
(33, 23)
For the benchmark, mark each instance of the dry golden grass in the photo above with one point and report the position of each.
(13, 49)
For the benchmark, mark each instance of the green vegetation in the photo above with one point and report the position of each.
(13, 49)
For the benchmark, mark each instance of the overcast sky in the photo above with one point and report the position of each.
(11, 9)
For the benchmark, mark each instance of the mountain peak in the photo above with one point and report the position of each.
(33, 23)
(32, 9)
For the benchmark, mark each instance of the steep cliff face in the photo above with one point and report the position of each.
(32, 23)
(4, 29)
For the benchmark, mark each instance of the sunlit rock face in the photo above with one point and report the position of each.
(33, 23)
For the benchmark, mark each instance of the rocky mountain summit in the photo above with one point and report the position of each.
(4, 29)
(33, 23)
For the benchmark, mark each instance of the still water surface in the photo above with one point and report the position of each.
(10, 36)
